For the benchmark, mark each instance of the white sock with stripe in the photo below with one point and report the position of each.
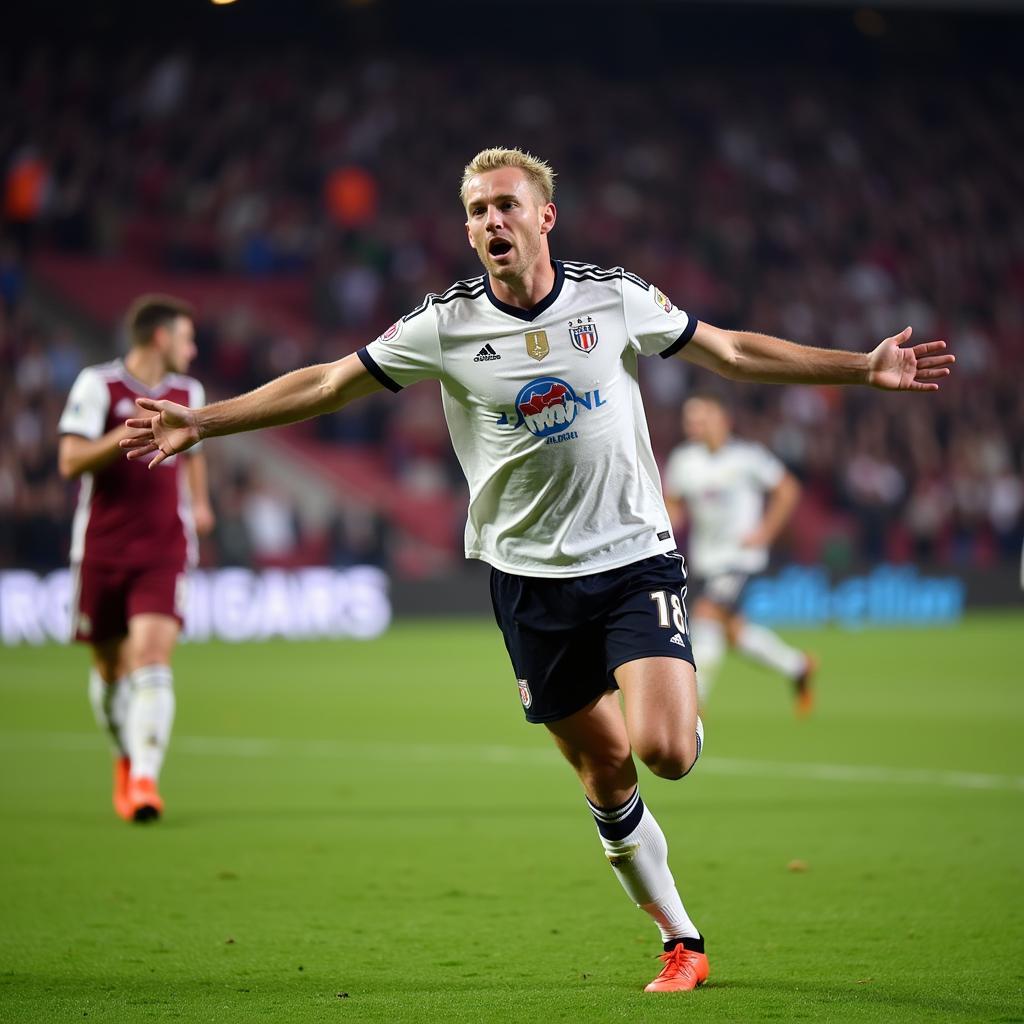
(638, 853)
(110, 706)
(770, 649)
(150, 717)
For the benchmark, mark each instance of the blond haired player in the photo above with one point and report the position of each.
(564, 498)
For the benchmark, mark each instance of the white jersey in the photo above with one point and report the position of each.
(724, 492)
(544, 412)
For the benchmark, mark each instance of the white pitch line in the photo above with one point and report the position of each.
(440, 753)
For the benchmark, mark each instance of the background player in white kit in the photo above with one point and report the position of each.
(565, 502)
(736, 497)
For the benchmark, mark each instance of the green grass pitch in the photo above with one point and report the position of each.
(369, 832)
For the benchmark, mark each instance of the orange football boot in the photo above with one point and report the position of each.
(122, 772)
(803, 688)
(143, 800)
(684, 970)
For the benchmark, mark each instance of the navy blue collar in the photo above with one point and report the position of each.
(529, 314)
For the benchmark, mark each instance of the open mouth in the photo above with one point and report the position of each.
(498, 247)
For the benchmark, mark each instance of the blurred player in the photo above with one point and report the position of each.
(537, 361)
(129, 586)
(721, 486)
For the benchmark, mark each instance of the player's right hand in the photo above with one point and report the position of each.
(172, 430)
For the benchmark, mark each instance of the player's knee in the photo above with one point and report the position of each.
(670, 759)
(671, 765)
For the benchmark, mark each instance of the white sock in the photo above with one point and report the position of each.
(638, 853)
(150, 717)
(707, 637)
(109, 706)
(770, 649)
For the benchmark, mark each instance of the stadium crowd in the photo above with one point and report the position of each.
(836, 215)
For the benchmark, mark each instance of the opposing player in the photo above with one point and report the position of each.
(129, 585)
(537, 361)
(736, 496)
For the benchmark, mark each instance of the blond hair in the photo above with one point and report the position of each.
(538, 171)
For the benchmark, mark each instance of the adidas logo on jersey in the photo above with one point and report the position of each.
(677, 640)
(485, 355)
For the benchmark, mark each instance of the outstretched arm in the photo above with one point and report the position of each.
(742, 355)
(298, 395)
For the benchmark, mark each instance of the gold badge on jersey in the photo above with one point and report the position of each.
(537, 344)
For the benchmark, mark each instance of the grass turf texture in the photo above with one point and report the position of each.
(368, 832)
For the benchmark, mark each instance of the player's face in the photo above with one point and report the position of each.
(178, 344)
(507, 222)
(705, 422)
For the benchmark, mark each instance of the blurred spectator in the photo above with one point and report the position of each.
(830, 215)
(26, 192)
(270, 522)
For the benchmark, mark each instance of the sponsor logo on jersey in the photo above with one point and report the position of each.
(524, 693)
(537, 346)
(392, 332)
(548, 406)
(485, 355)
(663, 300)
(583, 335)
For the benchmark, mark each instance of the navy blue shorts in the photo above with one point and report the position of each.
(566, 637)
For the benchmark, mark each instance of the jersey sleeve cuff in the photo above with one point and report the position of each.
(680, 342)
(375, 371)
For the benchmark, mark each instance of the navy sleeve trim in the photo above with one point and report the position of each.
(681, 341)
(374, 370)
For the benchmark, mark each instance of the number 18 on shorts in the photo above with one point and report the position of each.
(566, 637)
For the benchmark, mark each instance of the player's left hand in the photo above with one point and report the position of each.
(920, 368)
(172, 430)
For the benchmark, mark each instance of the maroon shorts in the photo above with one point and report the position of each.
(104, 598)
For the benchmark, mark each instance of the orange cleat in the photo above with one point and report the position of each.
(803, 689)
(143, 800)
(684, 970)
(122, 771)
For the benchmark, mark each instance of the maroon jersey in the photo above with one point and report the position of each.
(128, 515)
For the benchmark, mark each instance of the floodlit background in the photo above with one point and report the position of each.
(824, 172)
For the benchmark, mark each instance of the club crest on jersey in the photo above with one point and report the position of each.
(392, 332)
(524, 693)
(583, 335)
(537, 346)
(663, 300)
